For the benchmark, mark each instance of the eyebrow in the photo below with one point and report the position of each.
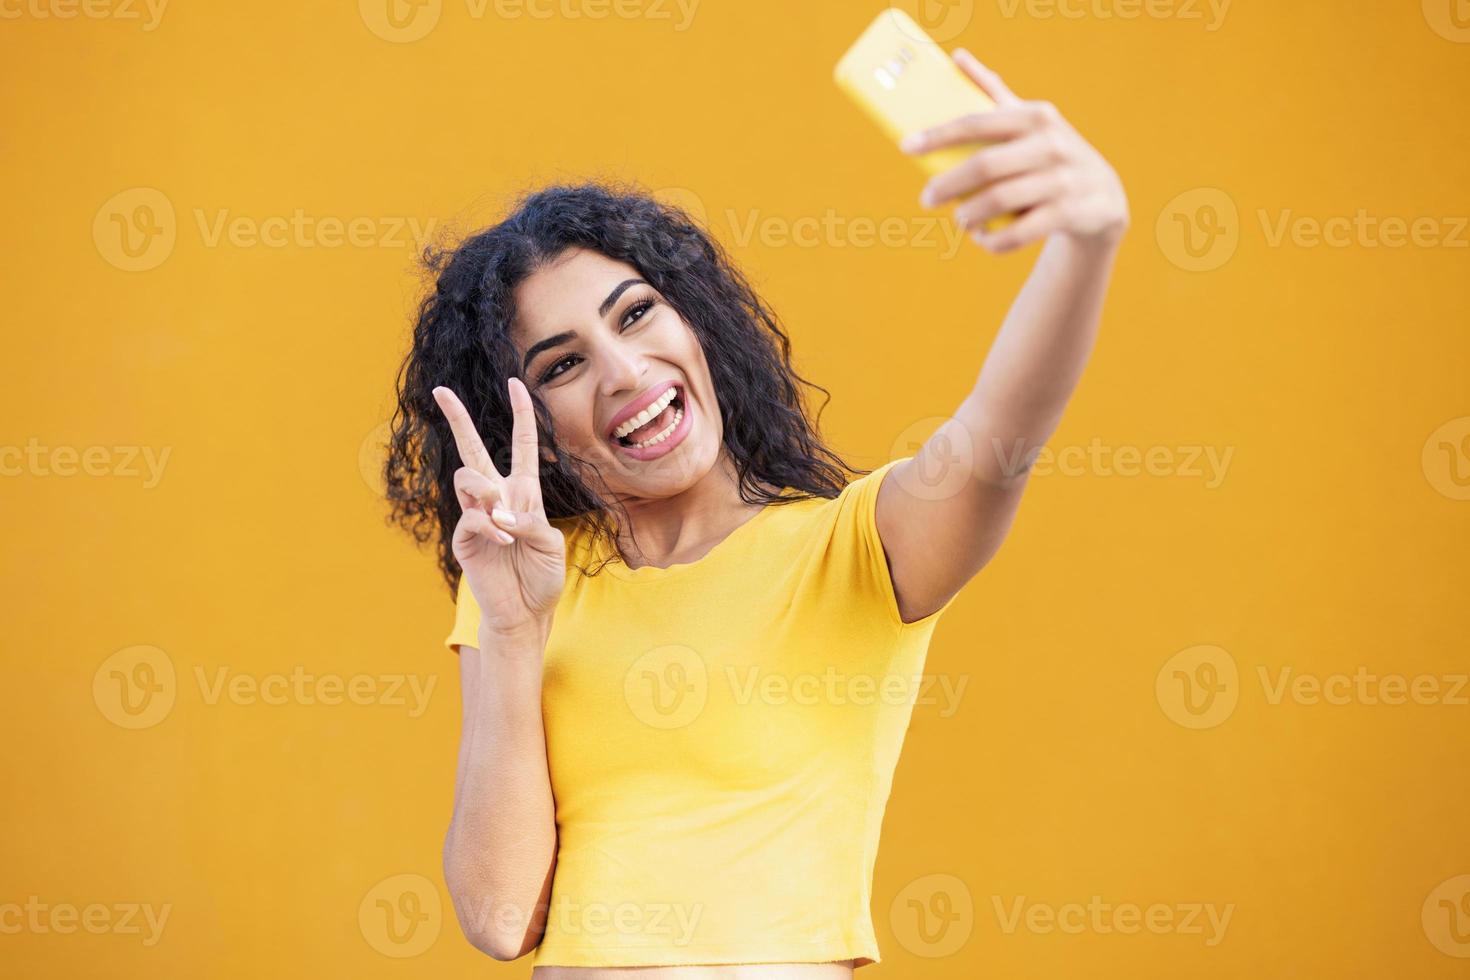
(557, 339)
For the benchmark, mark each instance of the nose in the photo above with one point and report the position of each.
(623, 369)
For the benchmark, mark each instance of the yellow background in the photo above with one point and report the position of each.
(1334, 541)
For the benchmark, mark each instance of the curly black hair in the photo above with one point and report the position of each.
(462, 340)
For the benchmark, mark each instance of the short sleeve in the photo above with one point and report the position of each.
(466, 618)
(857, 527)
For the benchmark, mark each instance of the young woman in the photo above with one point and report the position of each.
(677, 620)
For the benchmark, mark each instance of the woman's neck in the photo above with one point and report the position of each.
(684, 527)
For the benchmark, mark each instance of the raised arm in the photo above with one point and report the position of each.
(500, 849)
(940, 527)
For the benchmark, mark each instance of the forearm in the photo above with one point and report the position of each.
(1037, 357)
(500, 850)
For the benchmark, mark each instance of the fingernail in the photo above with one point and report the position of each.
(911, 142)
(927, 198)
(504, 538)
(504, 517)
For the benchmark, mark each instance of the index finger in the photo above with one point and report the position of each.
(986, 78)
(471, 447)
(990, 126)
(525, 458)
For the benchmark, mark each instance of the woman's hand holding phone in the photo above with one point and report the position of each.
(514, 559)
(1038, 165)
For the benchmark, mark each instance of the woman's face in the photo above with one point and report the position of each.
(598, 345)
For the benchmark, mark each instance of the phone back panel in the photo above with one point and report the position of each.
(906, 82)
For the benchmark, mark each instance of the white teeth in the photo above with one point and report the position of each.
(643, 417)
(668, 430)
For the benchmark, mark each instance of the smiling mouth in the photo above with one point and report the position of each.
(658, 428)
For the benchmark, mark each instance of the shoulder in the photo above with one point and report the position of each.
(860, 496)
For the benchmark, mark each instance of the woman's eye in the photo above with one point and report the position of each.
(641, 308)
(552, 371)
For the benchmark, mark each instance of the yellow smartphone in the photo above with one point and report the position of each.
(904, 81)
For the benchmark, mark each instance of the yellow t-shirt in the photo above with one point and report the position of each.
(721, 738)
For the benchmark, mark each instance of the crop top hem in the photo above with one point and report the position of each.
(861, 952)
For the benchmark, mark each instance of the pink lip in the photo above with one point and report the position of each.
(637, 405)
(668, 445)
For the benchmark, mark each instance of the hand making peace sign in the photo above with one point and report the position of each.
(514, 559)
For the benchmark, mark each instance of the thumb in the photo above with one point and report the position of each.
(988, 80)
